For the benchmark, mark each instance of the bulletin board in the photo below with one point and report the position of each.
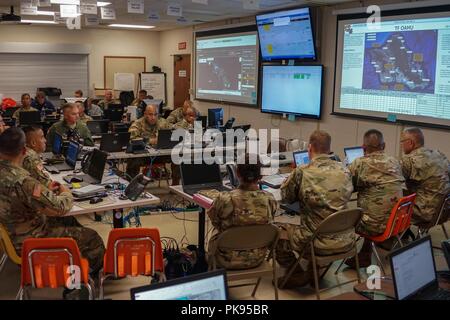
(122, 64)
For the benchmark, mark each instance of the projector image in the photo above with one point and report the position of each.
(10, 18)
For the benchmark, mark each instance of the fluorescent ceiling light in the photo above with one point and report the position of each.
(45, 13)
(38, 21)
(103, 4)
(116, 25)
(77, 2)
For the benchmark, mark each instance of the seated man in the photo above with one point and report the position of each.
(70, 127)
(379, 181)
(35, 146)
(103, 104)
(78, 94)
(140, 99)
(145, 128)
(177, 115)
(322, 187)
(92, 109)
(189, 117)
(427, 174)
(246, 205)
(41, 102)
(81, 115)
(26, 106)
(3, 126)
(28, 208)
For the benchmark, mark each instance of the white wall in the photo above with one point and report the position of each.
(345, 131)
(104, 42)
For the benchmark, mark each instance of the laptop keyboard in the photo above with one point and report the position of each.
(440, 295)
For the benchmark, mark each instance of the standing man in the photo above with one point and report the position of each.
(145, 128)
(322, 187)
(26, 106)
(70, 127)
(427, 174)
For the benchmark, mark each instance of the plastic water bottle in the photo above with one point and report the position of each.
(43, 114)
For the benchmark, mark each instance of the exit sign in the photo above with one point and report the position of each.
(181, 45)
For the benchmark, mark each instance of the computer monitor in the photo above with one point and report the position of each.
(301, 158)
(57, 144)
(352, 153)
(215, 117)
(114, 112)
(72, 153)
(413, 268)
(204, 286)
(197, 174)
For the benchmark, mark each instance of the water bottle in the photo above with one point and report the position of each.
(43, 114)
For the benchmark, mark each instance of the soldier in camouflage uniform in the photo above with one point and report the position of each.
(322, 187)
(145, 128)
(3, 127)
(379, 181)
(35, 145)
(70, 128)
(82, 116)
(427, 174)
(26, 106)
(26, 206)
(103, 104)
(246, 205)
(177, 115)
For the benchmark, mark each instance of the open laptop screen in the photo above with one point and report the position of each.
(57, 144)
(72, 153)
(353, 153)
(205, 286)
(301, 158)
(97, 165)
(413, 268)
(195, 174)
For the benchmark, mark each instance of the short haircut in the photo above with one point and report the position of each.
(12, 141)
(28, 130)
(320, 141)
(79, 92)
(249, 172)
(416, 134)
(143, 91)
(373, 138)
(40, 94)
(24, 95)
(152, 105)
(67, 106)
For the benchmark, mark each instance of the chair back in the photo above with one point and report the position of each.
(248, 237)
(400, 218)
(46, 262)
(339, 221)
(133, 251)
(7, 246)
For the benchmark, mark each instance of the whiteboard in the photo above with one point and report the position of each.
(155, 84)
(124, 81)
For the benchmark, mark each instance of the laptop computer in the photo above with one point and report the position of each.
(98, 127)
(70, 159)
(196, 177)
(93, 171)
(29, 117)
(352, 153)
(164, 141)
(414, 272)
(301, 158)
(56, 149)
(204, 286)
(114, 142)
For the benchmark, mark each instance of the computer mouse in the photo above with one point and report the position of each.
(76, 179)
(282, 157)
(95, 200)
(109, 186)
(54, 170)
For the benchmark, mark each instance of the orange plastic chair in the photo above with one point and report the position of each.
(7, 248)
(46, 262)
(132, 252)
(398, 223)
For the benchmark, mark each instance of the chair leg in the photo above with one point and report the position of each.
(256, 287)
(275, 274)
(445, 231)
(19, 295)
(316, 276)
(377, 256)
(357, 265)
(91, 292)
(101, 279)
(288, 275)
(325, 272)
(3, 261)
(340, 266)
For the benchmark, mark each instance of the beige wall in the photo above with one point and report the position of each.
(345, 131)
(104, 42)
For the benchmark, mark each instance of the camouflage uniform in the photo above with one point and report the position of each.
(103, 104)
(379, 181)
(239, 208)
(33, 164)
(322, 187)
(183, 124)
(175, 116)
(28, 209)
(85, 118)
(62, 129)
(94, 110)
(22, 109)
(141, 129)
(427, 174)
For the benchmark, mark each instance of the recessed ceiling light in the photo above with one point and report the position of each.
(77, 2)
(38, 21)
(103, 4)
(45, 13)
(134, 26)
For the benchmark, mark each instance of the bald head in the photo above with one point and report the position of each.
(373, 141)
(319, 143)
(151, 114)
(412, 139)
